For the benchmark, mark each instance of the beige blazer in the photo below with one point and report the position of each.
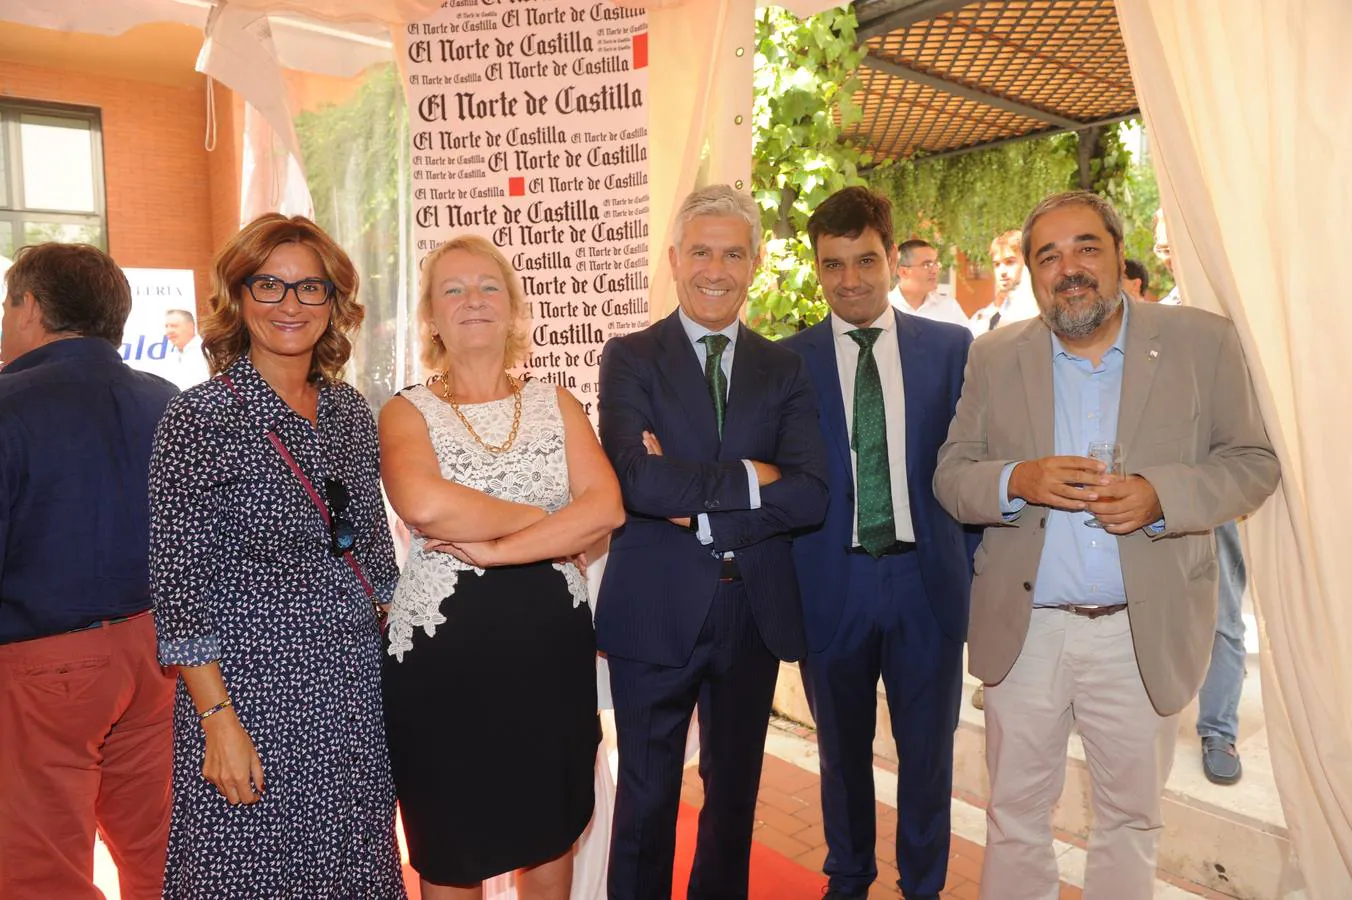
(1188, 422)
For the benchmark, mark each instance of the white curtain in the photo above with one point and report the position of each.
(1245, 103)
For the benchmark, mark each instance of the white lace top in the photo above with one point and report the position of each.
(533, 471)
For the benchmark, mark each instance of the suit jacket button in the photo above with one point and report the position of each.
(711, 504)
(1042, 523)
(1027, 585)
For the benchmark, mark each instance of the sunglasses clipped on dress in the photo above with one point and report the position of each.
(342, 536)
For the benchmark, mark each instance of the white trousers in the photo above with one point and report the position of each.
(1082, 672)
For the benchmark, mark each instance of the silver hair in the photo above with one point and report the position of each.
(719, 200)
(1111, 220)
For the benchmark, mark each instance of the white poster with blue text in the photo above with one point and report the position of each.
(154, 293)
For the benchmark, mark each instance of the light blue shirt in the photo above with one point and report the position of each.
(693, 333)
(1079, 565)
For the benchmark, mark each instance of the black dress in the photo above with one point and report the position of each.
(490, 681)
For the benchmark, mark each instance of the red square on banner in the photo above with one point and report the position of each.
(516, 187)
(641, 51)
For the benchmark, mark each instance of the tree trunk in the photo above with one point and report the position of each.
(1090, 148)
(784, 224)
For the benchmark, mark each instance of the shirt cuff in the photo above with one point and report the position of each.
(190, 651)
(1155, 529)
(752, 485)
(1010, 509)
(704, 533)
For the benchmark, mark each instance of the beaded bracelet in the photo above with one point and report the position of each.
(207, 713)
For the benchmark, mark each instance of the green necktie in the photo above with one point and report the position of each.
(714, 345)
(873, 492)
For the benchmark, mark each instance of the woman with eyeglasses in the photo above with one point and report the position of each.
(490, 681)
(271, 563)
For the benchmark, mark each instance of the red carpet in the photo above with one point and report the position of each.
(773, 877)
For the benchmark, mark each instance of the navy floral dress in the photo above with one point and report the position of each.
(241, 572)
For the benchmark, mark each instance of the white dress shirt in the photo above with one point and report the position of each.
(888, 357)
(937, 306)
(695, 334)
(1173, 298)
(1020, 304)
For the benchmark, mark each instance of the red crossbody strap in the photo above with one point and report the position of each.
(318, 501)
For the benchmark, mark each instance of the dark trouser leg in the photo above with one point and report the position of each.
(734, 711)
(922, 673)
(653, 705)
(841, 683)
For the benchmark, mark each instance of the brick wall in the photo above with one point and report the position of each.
(169, 201)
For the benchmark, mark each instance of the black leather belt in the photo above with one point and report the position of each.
(1091, 612)
(894, 549)
(730, 571)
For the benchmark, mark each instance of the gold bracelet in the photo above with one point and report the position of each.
(208, 713)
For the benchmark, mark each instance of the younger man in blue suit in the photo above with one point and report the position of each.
(712, 431)
(885, 579)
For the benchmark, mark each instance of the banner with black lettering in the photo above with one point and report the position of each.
(529, 127)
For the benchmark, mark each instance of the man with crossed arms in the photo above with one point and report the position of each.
(712, 431)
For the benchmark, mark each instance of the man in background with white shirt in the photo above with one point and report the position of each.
(1014, 300)
(185, 365)
(1165, 255)
(917, 291)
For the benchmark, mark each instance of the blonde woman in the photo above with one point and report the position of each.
(490, 681)
(270, 560)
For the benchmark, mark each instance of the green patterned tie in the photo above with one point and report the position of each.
(873, 492)
(714, 345)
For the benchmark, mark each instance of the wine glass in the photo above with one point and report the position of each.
(1110, 454)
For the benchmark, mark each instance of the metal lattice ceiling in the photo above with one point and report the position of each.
(944, 76)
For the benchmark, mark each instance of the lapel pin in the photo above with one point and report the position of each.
(1153, 354)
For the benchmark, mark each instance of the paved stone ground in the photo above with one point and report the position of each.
(789, 821)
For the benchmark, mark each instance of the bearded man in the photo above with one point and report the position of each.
(1107, 629)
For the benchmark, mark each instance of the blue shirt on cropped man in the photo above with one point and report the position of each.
(1080, 565)
(76, 427)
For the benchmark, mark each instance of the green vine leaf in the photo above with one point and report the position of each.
(805, 83)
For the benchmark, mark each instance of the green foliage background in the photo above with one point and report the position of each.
(805, 82)
(961, 202)
(804, 75)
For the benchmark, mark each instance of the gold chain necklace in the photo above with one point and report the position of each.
(516, 412)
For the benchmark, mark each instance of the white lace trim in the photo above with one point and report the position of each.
(534, 471)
